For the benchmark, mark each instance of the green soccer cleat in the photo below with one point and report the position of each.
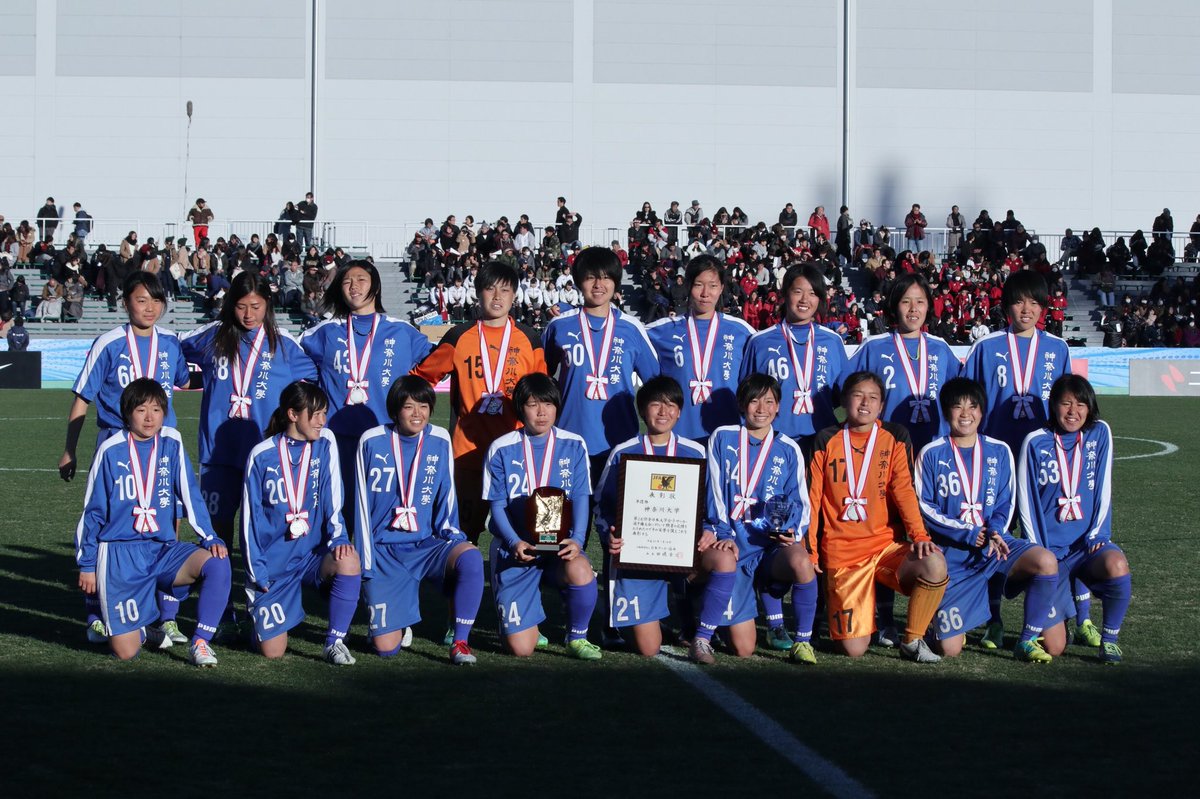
(993, 638)
(802, 652)
(542, 642)
(448, 638)
(1110, 653)
(583, 649)
(778, 639)
(96, 634)
(1087, 634)
(172, 631)
(1031, 652)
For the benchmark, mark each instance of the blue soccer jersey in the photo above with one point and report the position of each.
(913, 371)
(239, 397)
(119, 357)
(357, 378)
(1017, 385)
(705, 357)
(291, 506)
(595, 359)
(606, 506)
(517, 463)
(134, 491)
(1064, 488)
(806, 369)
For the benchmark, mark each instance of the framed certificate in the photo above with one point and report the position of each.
(660, 512)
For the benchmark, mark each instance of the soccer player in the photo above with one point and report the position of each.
(595, 352)
(966, 486)
(861, 477)
(134, 350)
(125, 541)
(540, 455)
(1017, 366)
(751, 468)
(359, 353)
(484, 359)
(804, 356)
(1064, 494)
(702, 351)
(639, 598)
(408, 522)
(913, 365)
(292, 530)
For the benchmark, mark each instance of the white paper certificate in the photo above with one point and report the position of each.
(660, 512)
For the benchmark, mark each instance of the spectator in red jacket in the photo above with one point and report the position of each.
(818, 223)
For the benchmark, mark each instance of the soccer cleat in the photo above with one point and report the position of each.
(1110, 653)
(887, 636)
(918, 652)
(803, 652)
(95, 633)
(1087, 634)
(1031, 652)
(994, 637)
(701, 651)
(157, 638)
(406, 639)
(201, 654)
(583, 649)
(460, 654)
(337, 654)
(171, 629)
(448, 638)
(778, 639)
(542, 642)
(611, 638)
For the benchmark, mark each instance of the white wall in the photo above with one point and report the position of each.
(1073, 113)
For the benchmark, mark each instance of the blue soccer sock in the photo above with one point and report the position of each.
(1039, 602)
(580, 601)
(1083, 600)
(389, 653)
(468, 591)
(804, 603)
(713, 603)
(91, 604)
(343, 599)
(995, 590)
(885, 606)
(215, 577)
(169, 602)
(772, 606)
(1114, 596)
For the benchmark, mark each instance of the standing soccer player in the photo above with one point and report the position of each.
(639, 598)
(484, 359)
(751, 466)
(539, 455)
(862, 477)
(1064, 493)
(703, 352)
(966, 486)
(138, 349)
(292, 531)
(408, 522)
(359, 353)
(125, 541)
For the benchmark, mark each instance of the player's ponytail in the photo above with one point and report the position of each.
(298, 397)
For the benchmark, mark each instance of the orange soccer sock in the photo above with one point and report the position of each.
(922, 604)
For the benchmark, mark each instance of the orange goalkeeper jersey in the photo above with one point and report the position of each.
(891, 501)
(458, 355)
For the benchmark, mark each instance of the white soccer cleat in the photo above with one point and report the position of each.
(918, 652)
(338, 654)
(201, 654)
(156, 638)
(406, 641)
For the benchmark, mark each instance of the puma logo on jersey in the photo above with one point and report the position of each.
(518, 464)
(125, 357)
(679, 338)
(124, 465)
(944, 463)
(774, 350)
(1001, 355)
(573, 335)
(732, 450)
(272, 469)
(891, 358)
(383, 458)
(342, 341)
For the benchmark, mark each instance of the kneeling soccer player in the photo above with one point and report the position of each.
(125, 542)
(750, 466)
(539, 455)
(408, 515)
(1064, 493)
(292, 529)
(861, 470)
(965, 483)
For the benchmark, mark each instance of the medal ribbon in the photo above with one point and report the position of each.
(802, 396)
(917, 386)
(597, 383)
(240, 398)
(143, 515)
(358, 364)
(648, 448)
(492, 378)
(743, 501)
(701, 361)
(1070, 503)
(531, 465)
(152, 364)
(405, 516)
(293, 484)
(1023, 376)
(855, 509)
(970, 509)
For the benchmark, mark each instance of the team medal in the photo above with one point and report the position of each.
(648, 448)
(918, 386)
(802, 396)
(970, 509)
(597, 383)
(357, 384)
(856, 503)
(492, 401)
(240, 398)
(1070, 507)
(742, 502)
(143, 515)
(135, 359)
(404, 517)
(531, 472)
(294, 487)
(701, 386)
(1023, 376)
